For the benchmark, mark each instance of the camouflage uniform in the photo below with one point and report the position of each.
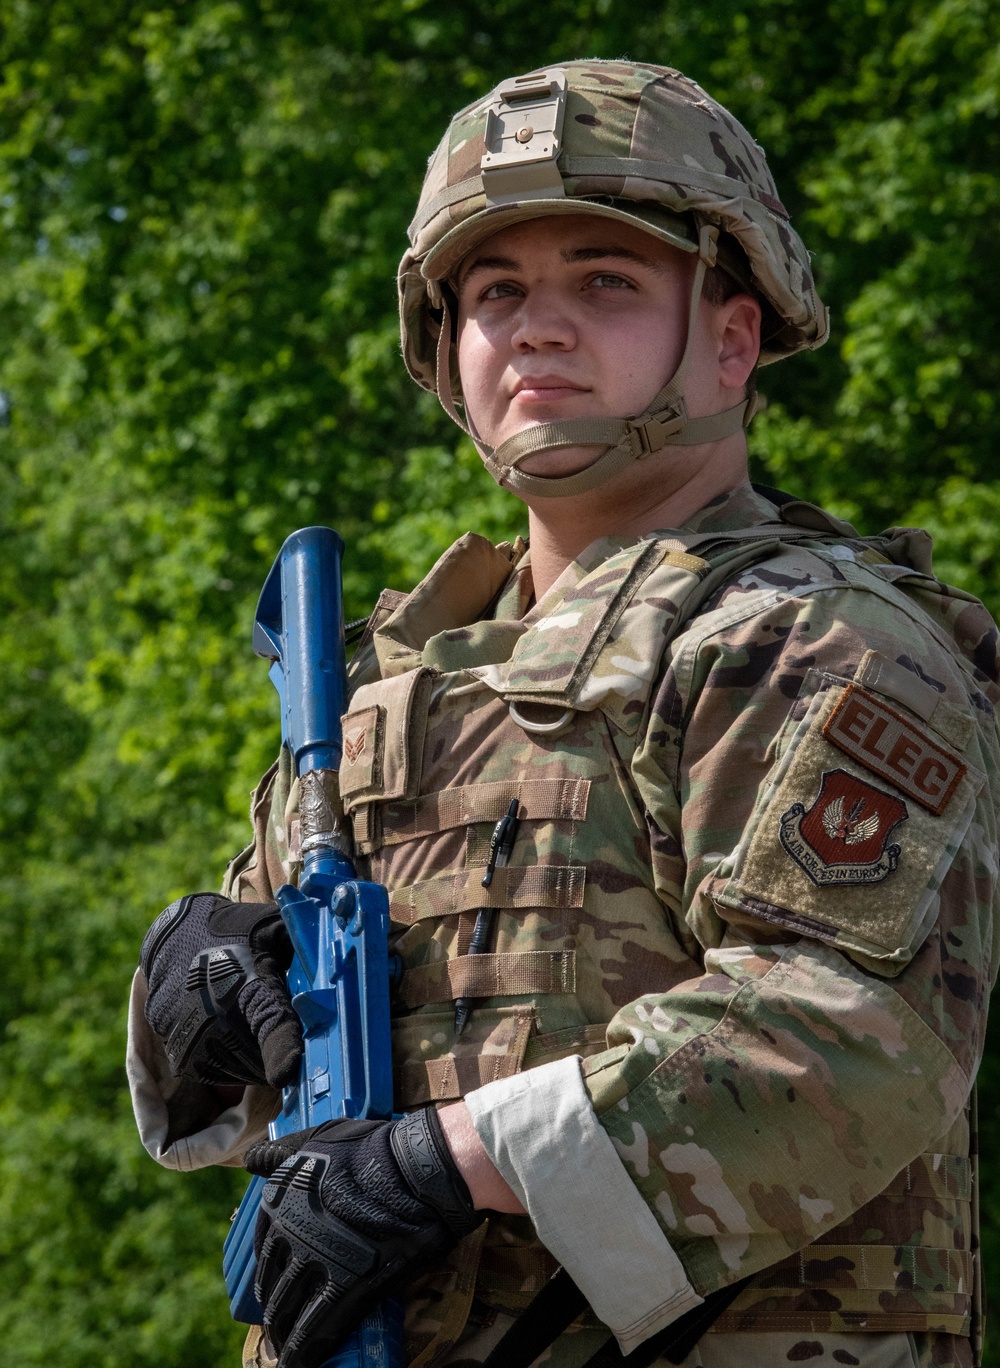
(745, 939)
(780, 1052)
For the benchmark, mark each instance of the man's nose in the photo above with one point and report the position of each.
(543, 320)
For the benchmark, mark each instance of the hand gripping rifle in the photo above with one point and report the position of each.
(339, 926)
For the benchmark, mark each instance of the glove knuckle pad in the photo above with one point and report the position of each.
(158, 933)
(314, 1233)
(220, 973)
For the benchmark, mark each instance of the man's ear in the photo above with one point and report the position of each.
(737, 332)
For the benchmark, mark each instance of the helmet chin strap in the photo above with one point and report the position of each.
(664, 423)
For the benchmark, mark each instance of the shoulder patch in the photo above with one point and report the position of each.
(831, 854)
(891, 746)
(843, 837)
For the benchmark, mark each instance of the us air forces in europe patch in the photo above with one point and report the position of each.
(842, 838)
(856, 827)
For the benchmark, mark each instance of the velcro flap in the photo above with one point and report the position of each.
(383, 739)
(515, 886)
(895, 749)
(485, 976)
(364, 741)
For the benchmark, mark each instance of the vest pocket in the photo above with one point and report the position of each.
(383, 739)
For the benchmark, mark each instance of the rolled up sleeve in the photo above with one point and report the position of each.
(541, 1131)
(175, 1119)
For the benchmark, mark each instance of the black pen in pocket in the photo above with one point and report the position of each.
(501, 845)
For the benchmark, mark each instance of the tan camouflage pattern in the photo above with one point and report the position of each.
(638, 135)
(790, 1096)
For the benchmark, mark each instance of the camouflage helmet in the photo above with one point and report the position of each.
(646, 146)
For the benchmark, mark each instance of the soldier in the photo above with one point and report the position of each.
(731, 982)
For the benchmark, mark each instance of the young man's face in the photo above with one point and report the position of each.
(571, 317)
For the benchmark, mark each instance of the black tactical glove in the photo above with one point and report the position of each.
(217, 993)
(352, 1210)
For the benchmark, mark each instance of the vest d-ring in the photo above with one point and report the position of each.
(559, 724)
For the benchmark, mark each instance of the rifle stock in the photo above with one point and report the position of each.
(339, 925)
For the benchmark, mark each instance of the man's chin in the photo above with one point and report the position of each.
(565, 461)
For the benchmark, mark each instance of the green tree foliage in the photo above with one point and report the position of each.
(203, 204)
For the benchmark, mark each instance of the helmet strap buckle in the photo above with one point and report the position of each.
(656, 432)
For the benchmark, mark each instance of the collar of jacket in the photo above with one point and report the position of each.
(446, 622)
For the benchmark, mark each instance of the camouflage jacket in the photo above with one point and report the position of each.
(745, 940)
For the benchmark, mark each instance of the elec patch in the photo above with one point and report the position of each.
(889, 745)
(843, 837)
(832, 853)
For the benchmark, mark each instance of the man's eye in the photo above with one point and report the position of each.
(503, 289)
(608, 281)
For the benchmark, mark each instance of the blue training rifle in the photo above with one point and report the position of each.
(339, 926)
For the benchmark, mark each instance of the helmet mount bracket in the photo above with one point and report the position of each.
(523, 138)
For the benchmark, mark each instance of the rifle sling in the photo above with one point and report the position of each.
(554, 1308)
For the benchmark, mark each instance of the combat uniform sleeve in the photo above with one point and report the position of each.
(845, 908)
(182, 1124)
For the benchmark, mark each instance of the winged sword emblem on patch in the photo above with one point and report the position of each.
(853, 828)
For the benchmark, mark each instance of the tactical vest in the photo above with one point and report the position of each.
(450, 719)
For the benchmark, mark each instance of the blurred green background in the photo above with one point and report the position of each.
(202, 205)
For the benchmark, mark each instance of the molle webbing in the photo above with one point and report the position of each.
(432, 1066)
(504, 1052)
(484, 976)
(873, 1268)
(539, 800)
(512, 887)
(847, 1281)
(442, 1080)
